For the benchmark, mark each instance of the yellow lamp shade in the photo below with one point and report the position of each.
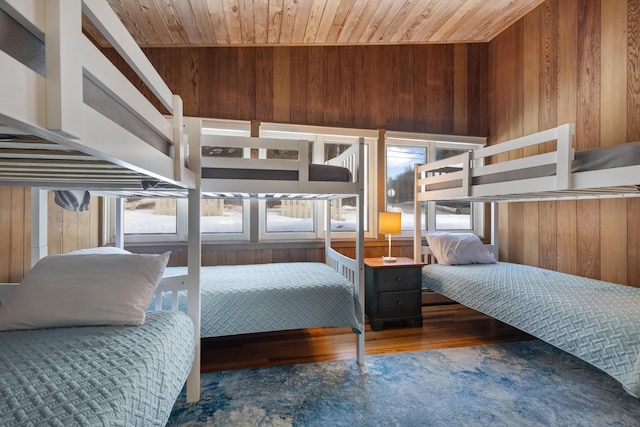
(390, 223)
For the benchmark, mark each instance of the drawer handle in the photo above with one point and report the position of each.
(398, 302)
(399, 279)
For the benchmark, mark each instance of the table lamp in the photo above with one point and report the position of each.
(389, 223)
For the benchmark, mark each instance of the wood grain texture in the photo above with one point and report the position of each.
(530, 252)
(407, 88)
(588, 79)
(5, 227)
(444, 326)
(580, 65)
(588, 230)
(613, 72)
(567, 240)
(633, 70)
(67, 230)
(293, 22)
(547, 246)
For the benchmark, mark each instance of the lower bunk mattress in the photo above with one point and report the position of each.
(594, 320)
(242, 299)
(105, 375)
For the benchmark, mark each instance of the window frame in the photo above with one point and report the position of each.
(431, 142)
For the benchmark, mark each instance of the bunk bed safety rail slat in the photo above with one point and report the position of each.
(103, 17)
(431, 174)
(457, 173)
(344, 265)
(349, 159)
(172, 285)
(84, 103)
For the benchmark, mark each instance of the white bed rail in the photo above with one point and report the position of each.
(255, 157)
(344, 265)
(452, 178)
(172, 285)
(84, 102)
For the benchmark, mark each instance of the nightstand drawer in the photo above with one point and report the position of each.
(397, 304)
(399, 279)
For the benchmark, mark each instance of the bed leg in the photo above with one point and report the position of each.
(360, 349)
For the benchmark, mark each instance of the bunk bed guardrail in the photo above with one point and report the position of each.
(559, 172)
(256, 172)
(70, 113)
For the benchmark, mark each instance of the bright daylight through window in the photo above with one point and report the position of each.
(403, 151)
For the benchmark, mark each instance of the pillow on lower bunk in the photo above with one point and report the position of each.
(459, 249)
(84, 290)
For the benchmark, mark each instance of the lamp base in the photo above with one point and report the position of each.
(388, 259)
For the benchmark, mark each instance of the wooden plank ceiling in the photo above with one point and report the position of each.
(157, 23)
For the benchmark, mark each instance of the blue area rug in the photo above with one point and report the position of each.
(526, 383)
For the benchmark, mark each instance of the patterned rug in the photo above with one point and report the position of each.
(517, 384)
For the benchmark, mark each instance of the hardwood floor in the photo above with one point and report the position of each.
(444, 326)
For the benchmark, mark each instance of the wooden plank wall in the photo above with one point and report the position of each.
(571, 61)
(419, 88)
(67, 230)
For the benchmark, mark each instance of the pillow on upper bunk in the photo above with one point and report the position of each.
(84, 290)
(459, 249)
(105, 250)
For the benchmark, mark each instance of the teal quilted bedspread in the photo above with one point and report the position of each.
(594, 320)
(89, 376)
(240, 299)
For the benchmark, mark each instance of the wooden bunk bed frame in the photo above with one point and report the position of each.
(70, 120)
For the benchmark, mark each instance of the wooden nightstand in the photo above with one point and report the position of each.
(393, 291)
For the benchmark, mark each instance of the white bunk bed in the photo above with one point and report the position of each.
(557, 174)
(262, 177)
(594, 320)
(69, 120)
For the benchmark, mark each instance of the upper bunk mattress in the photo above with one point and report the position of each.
(106, 375)
(241, 299)
(596, 321)
(316, 173)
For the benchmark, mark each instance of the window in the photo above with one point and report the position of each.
(452, 215)
(400, 176)
(149, 216)
(402, 152)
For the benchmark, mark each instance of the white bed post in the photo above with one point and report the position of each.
(194, 256)
(494, 229)
(417, 217)
(119, 223)
(360, 345)
(39, 220)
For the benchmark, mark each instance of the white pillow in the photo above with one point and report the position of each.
(84, 290)
(101, 250)
(459, 249)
